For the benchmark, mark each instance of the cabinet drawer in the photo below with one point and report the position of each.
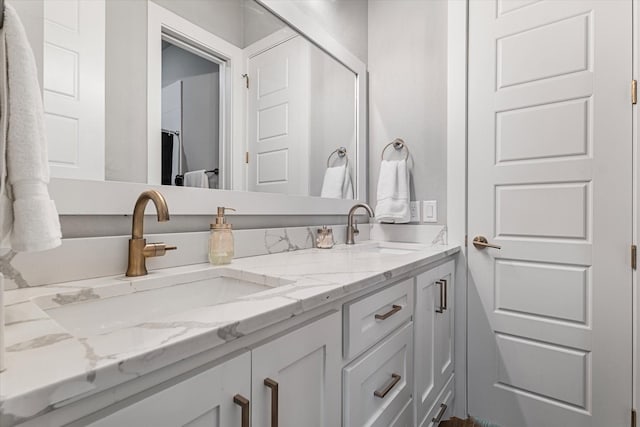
(378, 385)
(204, 399)
(373, 317)
(443, 406)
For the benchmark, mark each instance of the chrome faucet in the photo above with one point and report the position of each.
(139, 250)
(352, 225)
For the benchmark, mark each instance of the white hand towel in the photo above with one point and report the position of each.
(393, 192)
(347, 187)
(196, 179)
(29, 219)
(334, 178)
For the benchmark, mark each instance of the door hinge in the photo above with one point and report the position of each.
(634, 91)
(465, 241)
(633, 418)
(634, 256)
(246, 78)
(246, 157)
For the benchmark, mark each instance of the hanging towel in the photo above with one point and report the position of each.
(333, 183)
(393, 192)
(337, 183)
(28, 217)
(196, 179)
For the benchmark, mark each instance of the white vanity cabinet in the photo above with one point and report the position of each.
(433, 340)
(205, 399)
(296, 377)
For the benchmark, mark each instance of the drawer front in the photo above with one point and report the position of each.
(378, 385)
(442, 409)
(373, 317)
(405, 418)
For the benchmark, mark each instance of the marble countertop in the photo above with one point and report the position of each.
(48, 366)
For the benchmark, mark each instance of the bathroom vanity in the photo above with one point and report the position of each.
(356, 335)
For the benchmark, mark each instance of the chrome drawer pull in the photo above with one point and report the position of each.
(446, 298)
(395, 379)
(443, 292)
(443, 409)
(394, 309)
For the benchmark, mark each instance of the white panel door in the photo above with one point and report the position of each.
(212, 398)
(278, 119)
(296, 378)
(550, 181)
(74, 91)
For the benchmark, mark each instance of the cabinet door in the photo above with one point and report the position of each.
(296, 377)
(206, 399)
(433, 335)
(443, 349)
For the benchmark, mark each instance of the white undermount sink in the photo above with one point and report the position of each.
(101, 310)
(389, 248)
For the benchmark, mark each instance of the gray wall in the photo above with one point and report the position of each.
(408, 91)
(332, 116)
(200, 108)
(126, 91)
(344, 20)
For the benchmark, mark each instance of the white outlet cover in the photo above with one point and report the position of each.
(414, 208)
(430, 211)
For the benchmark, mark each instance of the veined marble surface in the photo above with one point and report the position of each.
(49, 366)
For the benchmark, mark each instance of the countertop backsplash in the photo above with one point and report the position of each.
(85, 258)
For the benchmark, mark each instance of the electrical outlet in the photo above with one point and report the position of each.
(430, 211)
(414, 207)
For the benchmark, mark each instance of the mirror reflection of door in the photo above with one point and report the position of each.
(190, 116)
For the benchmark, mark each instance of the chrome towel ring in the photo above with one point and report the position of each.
(398, 144)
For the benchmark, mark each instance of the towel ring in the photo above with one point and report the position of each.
(340, 151)
(398, 144)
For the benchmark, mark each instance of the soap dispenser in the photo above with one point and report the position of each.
(221, 239)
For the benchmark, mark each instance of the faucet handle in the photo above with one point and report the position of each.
(157, 249)
(355, 228)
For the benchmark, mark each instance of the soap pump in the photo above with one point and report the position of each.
(221, 239)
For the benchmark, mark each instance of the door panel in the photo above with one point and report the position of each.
(278, 119)
(550, 182)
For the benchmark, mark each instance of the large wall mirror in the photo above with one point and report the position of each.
(208, 94)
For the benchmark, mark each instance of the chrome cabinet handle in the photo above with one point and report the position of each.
(243, 402)
(443, 409)
(394, 309)
(395, 379)
(481, 242)
(273, 385)
(443, 304)
(446, 297)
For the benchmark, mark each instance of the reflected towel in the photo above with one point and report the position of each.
(28, 217)
(337, 183)
(196, 179)
(393, 192)
(333, 182)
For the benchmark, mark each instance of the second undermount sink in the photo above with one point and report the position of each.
(98, 311)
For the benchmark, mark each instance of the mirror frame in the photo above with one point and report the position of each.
(117, 198)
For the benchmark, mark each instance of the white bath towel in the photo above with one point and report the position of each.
(29, 220)
(337, 183)
(196, 179)
(393, 192)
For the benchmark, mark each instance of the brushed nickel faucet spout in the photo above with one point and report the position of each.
(352, 225)
(139, 250)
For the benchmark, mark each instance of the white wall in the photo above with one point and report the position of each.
(408, 91)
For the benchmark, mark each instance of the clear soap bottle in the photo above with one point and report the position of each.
(221, 239)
